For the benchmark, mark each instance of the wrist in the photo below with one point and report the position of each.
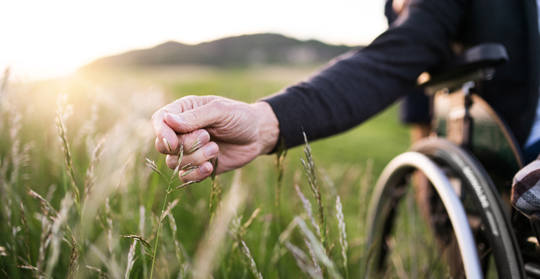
(268, 126)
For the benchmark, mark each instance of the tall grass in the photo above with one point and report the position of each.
(77, 199)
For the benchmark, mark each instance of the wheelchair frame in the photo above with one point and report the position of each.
(440, 158)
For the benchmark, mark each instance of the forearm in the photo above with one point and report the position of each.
(353, 89)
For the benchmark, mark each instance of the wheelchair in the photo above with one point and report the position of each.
(443, 208)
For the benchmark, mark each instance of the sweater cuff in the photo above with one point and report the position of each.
(290, 129)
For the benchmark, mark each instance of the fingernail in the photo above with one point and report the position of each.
(176, 118)
(188, 171)
(204, 169)
(210, 150)
(204, 137)
(166, 143)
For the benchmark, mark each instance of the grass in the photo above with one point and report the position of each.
(78, 201)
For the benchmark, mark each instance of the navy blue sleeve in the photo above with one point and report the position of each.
(357, 86)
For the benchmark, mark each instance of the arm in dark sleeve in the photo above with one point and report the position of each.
(358, 86)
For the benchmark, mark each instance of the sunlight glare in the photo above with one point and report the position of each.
(42, 39)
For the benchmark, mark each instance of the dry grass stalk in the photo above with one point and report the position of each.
(142, 215)
(171, 180)
(183, 185)
(284, 236)
(67, 157)
(265, 235)
(57, 233)
(252, 266)
(33, 268)
(97, 152)
(102, 275)
(215, 195)
(207, 256)
(365, 184)
(152, 165)
(131, 258)
(12, 247)
(3, 178)
(331, 186)
(139, 239)
(313, 257)
(44, 242)
(196, 146)
(277, 252)
(248, 223)
(142, 218)
(170, 207)
(46, 207)
(189, 170)
(178, 247)
(309, 167)
(26, 233)
(244, 248)
(14, 130)
(303, 261)
(109, 227)
(111, 265)
(307, 208)
(73, 260)
(237, 232)
(342, 234)
(318, 249)
(281, 154)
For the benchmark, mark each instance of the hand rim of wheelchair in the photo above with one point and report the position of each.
(507, 256)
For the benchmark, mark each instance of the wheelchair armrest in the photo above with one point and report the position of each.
(476, 63)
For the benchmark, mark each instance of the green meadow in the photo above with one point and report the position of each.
(78, 198)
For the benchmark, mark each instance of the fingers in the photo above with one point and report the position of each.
(198, 173)
(206, 115)
(166, 137)
(190, 142)
(197, 151)
(196, 165)
(164, 132)
(198, 155)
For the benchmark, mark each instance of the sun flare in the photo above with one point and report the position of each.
(43, 39)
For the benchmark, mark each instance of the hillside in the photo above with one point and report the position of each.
(245, 50)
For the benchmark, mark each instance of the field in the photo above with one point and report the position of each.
(78, 199)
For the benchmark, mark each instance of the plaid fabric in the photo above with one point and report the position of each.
(526, 189)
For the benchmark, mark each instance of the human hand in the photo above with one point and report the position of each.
(212, 125)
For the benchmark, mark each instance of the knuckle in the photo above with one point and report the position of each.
(186, 102)
(196, 114)
(218, 104)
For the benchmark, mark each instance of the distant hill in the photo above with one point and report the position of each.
(246, 50)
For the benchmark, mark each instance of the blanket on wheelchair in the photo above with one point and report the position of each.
(526, 189)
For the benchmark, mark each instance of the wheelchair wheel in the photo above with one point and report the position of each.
(414, 231)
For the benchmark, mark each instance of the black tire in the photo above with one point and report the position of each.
(496, 244)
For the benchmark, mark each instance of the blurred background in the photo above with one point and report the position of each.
(79, 83)
(42, 39)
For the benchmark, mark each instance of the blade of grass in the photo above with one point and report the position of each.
(180, 156)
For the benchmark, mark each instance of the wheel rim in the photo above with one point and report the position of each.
(381, 210)
(505, 262)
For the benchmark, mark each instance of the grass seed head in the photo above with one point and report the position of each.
(140, 239)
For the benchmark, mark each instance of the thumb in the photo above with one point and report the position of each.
(197, 118)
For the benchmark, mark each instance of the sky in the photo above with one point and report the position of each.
(43, 39)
